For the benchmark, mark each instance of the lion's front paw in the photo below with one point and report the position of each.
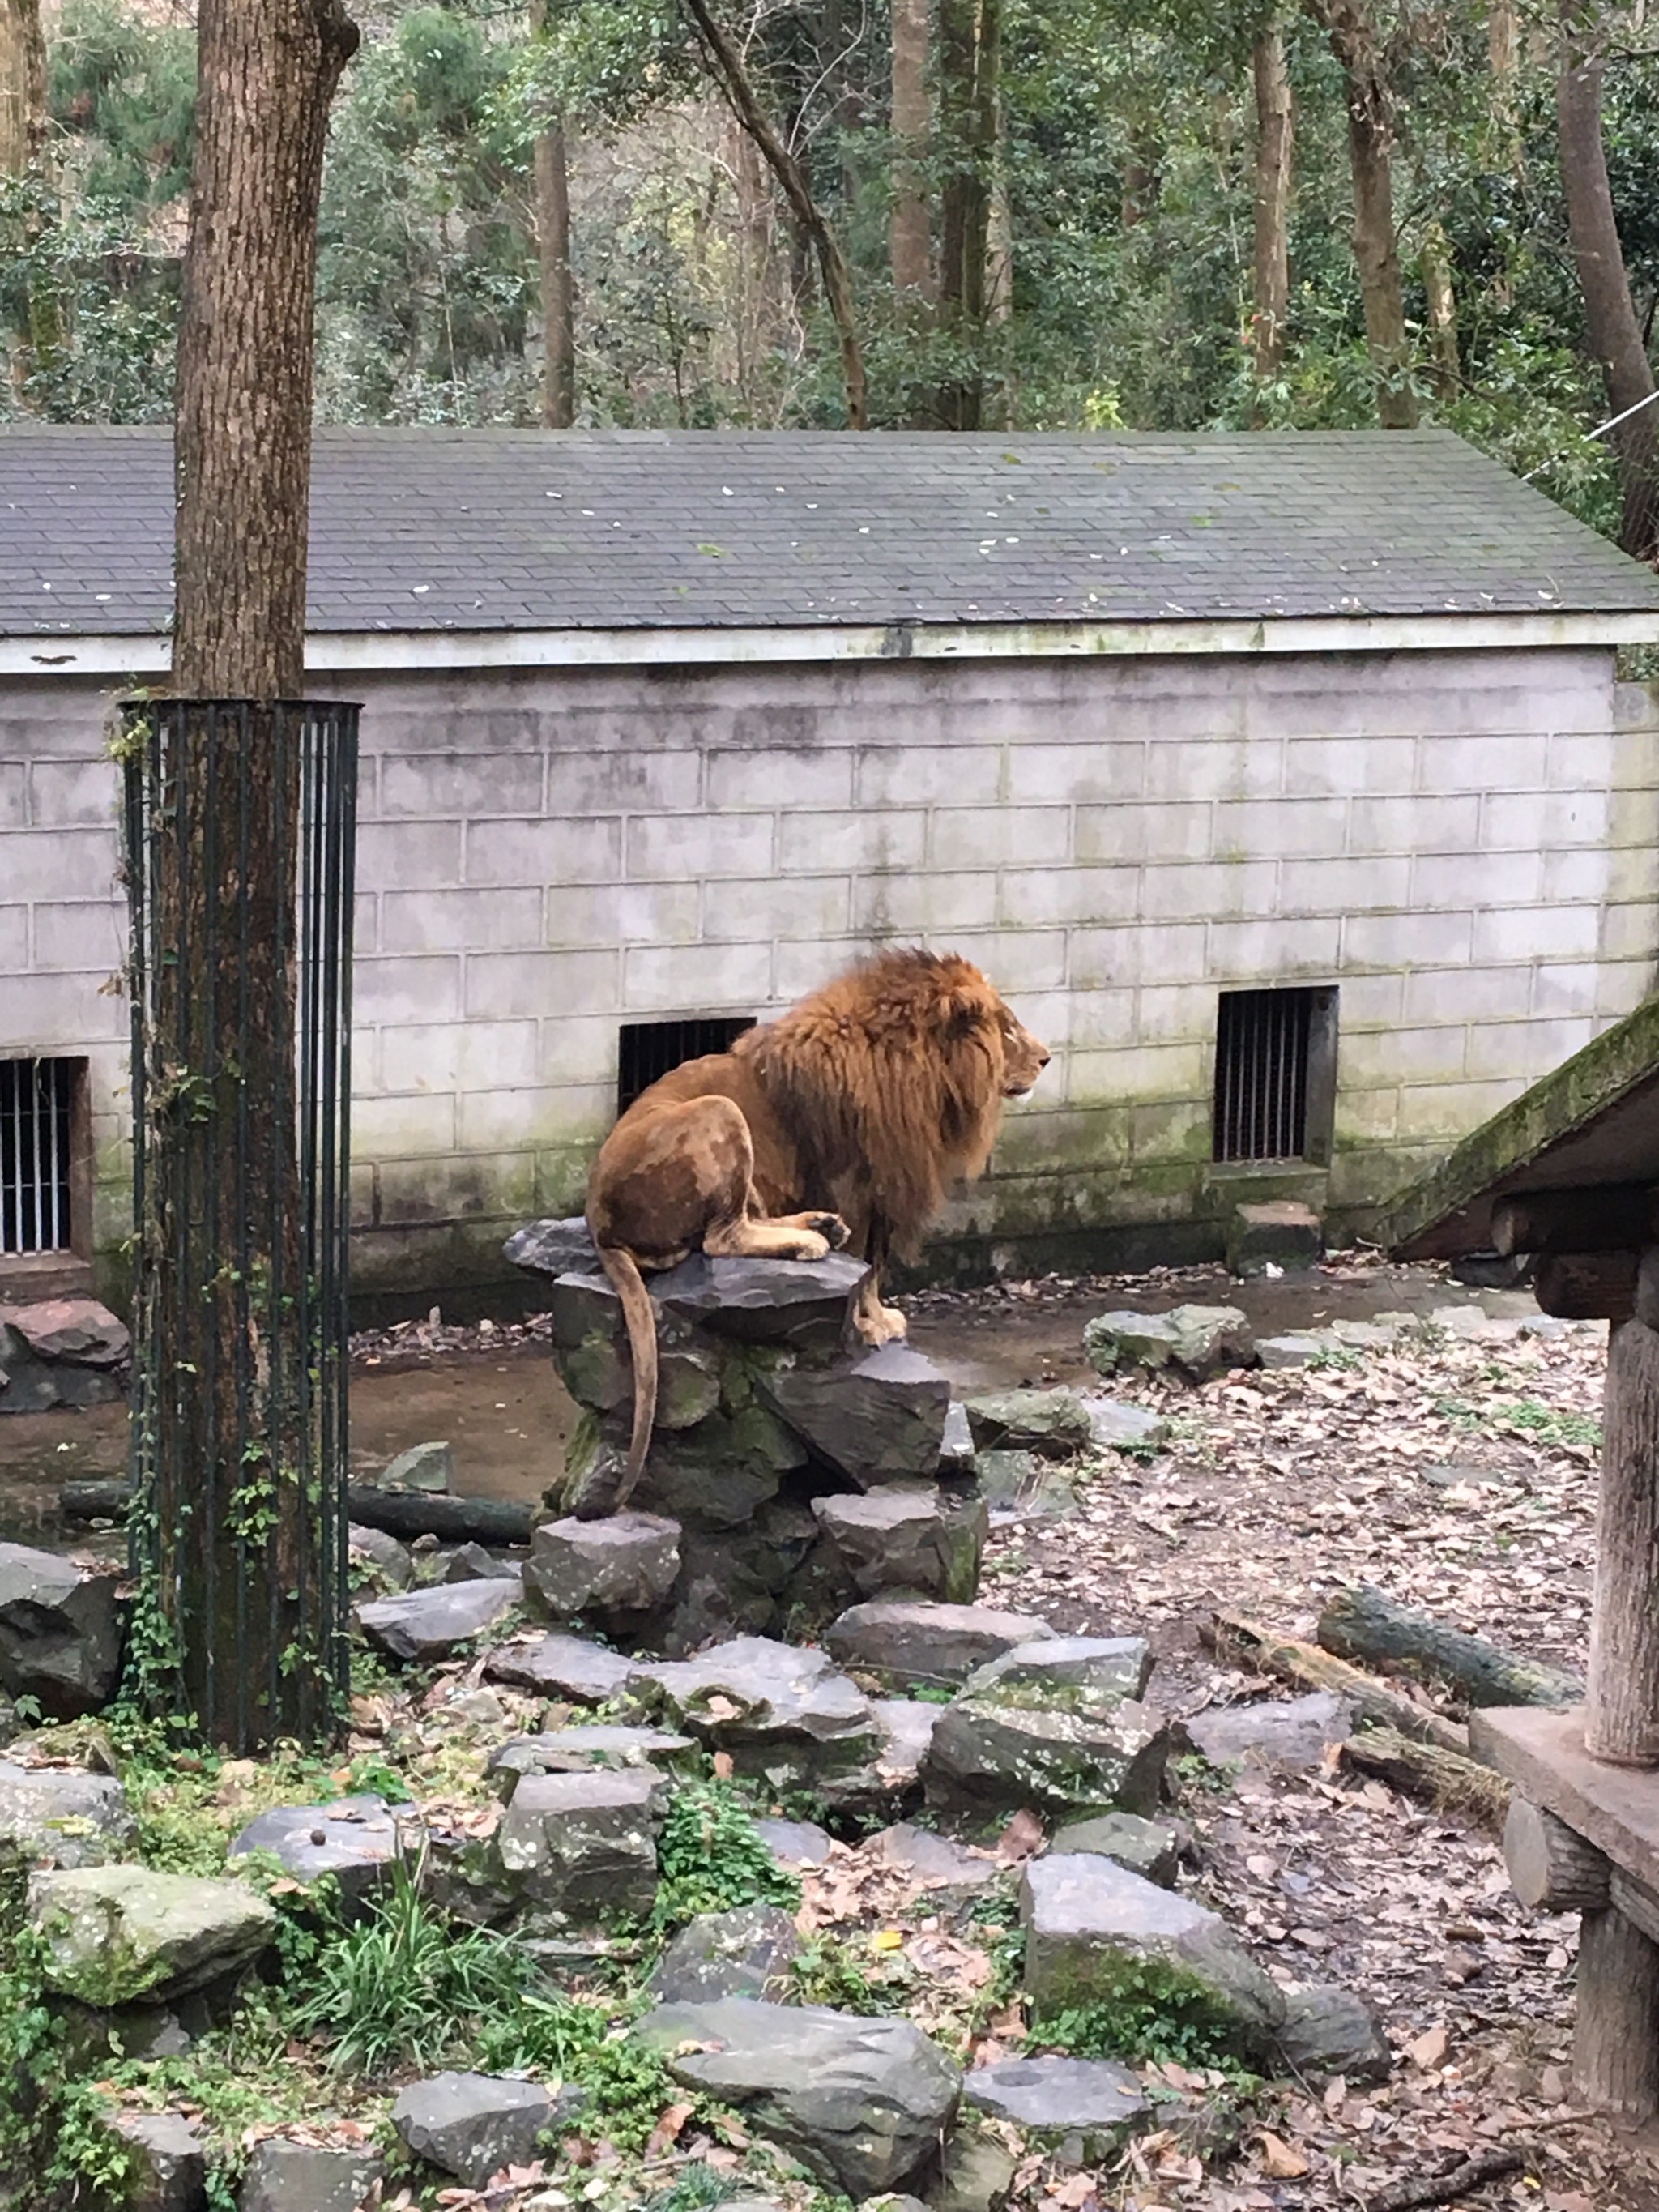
(831, 1228)
(882, 1325)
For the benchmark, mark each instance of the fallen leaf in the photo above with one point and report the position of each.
(1429, 2049)
(1280, 2160)
(723, 1766)
(667, 2129)
(1020, 1839)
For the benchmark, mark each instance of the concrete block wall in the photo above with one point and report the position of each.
(1463, 843)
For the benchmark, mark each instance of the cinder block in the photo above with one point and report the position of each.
(579, 1050)
(813, 843)
(1621, 985)
(60, 864)
(1015, 959)
(1269, 951)
(1344, 886)
(1467, 994)
(59, 1013)
(686, 978)
(799, 966)
(1404, 940)
(459, 1055)
(1583, 760)
(501, 985)
(1633, 818)
(475, 787)
(1564, 989)
(1279, 1233)
(1172, 1132)
(1109, 768)
(1369, 1002)
(1152, 952)
(685, 847)
(14, 796)
(1449, 1111)
(1343, 767)
(1144, 1072)
(1537, 933)
(1280, 829)
(768, 780)
(13, 939)
(1530, 821)
(66, 794)
(389, 1129)
(1477, 879)
(542, 852)
(1380, 1058)
(1188, 890)
(1105, 1018)
(409, 856)
(780, 906)
(403, 987)
(926, 904)
(1426, 823)
(1469, 763)
(1226, 766)
(1000, 837)
(459, 921)
(1029, 897)
(1524, 1050)
(518, 1119)
(1366, 1116)
(1176, 1013)
(623, 781)
(962, 774)
(1178, 830)
(1629, 932)
(79, 933)
(588, 916)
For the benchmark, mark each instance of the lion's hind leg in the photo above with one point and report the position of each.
(749, 1237)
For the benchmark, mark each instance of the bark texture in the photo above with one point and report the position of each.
(1435, 264)
(910, 242)
(1365, 1625)
(22, 87)
(558, 291)
(1615, 2038)
(1550, 1868)
(266, 72)
(1275, 131)
(728, 67)
(1621, 1714)
(1610, 320)
(970, 73)
(1370, 100)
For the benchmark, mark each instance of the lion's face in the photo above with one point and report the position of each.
(1023, 1058)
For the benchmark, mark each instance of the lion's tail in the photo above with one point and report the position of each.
(640, 1318)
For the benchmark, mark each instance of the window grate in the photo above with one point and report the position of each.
(37, 1099)
(649, 1049)
(1274, 1050)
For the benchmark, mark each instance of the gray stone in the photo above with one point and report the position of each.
(878, 1416)
(472, 2124)
(423, 1467)
(167, 2165)
(115, 1934)
(1053, 1422)
(354, 1840)
(776, 1708)
(1084, 1673)
(861, 2103)
(584, 1845)
(975, 2173)
(474, 1708)
(80, 1387)
(906, 1726)
(794, 1843)
(617, 1567)
(745, 1953)
(295, 2177)
(380, 1557)
(1151, 1849)
(1279, 1232)
(60, 1631)
(765, 1300)
(990, 1754)
(1116, 1425)
(28, 1385)
(1453, 1475)
(929, 1645)
(553, 1247)
(1294, 1349)
(1086, 1915)
(560, 1666)
(1291, 1732)
(1197, 1340)
(432, 1623)
(596, 1750)
(1078, 2109)
(1019, 1486)
(956, 1446)
(470, 1563)
(1380, 1334)
(69, 1331)
(55, 1816)
(1327, 2031)
(931, 1862)
(1469, 1325)
(721, 1473)
(890, 2202)
(910, 1539)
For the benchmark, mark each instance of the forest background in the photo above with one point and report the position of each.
(1006, 214)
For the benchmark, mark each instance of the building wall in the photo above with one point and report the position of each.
(1463, 843)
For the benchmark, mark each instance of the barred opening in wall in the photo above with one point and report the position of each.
(1275, 1074)
(38, 1100)
(649, 1049)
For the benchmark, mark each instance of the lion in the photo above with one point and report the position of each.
(842, 1123)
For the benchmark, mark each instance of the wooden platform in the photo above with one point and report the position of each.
(1542, 1752)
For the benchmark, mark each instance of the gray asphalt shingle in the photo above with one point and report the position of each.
(487, 530)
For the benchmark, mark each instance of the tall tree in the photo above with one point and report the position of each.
(23, 158)
(970, 90)
(910, 244)
(1275, 130)
(1610, 320)
(557, 287)
(223, 1022)
(1369, 96)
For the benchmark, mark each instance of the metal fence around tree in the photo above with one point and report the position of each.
(240, 820)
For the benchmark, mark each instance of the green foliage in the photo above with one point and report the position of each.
(1545, 1425)
(711, 1859)
(830, 1972)
(1145, 2008)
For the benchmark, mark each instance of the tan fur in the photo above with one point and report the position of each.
(846, 1120)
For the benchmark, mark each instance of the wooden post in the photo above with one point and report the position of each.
(1615, 2039)
(1550, 1868)
(1621, 1713)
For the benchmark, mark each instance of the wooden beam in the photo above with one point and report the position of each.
(1550, 1868)
(1601, 1217)
(1615, 2038)
(1542, 1752)
(1621, 1712)
(1586, 1285)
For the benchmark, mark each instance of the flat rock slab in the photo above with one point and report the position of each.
(166, 2161)
(54, 1816)
(60, 1631)
(931, 1862)
(1279, 1232)
(560, 1666)
(1084, 1916)
(906, 1726)
(553, 1247)
(1327, 2031)
(928, 1645)
(1294, 1349)
(621, 1567)
(472, 2124)
(862, 2103)
(1022, 1485)
(987, 1756)
(764, 1301)
(751, 1693)
(745, 1953)
(115, 1934)
(1151, 1849)
(955, 1449)
(1114, 1425)
(76, 1331)
(431, 1624)
(1083, 1674)
(878, 1416)
(795, 1843)
(1087, 2103)
(470, 1563)
(354, 1840)
(1053, 1422)
(295, 2177)
(1198, 1342)
(28, 1385)
(584, 1845)
(429, 1466)
(594, 1750)
(381, 1556)
(918, 1540)
(1289, 1732)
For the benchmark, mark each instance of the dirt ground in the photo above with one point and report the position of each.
(1458, 1475)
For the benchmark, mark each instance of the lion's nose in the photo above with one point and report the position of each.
(1044, 1055)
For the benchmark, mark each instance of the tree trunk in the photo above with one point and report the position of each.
(910, 232)
(1621, 1714)
(1550, 1868)
(1615, 2037)
(1449, 1779)
(39, 335)
(223, 1025)
(1610, 320)
(1309, 1668)
(1434, 264)
(1371, 160)
(727, 64)
(1274, 135)
(1503, 50)
(970, 62)
(558, 293)
(1364, 1626)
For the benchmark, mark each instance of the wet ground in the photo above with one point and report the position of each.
(507, 1414)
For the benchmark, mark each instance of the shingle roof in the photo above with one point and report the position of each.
(487, 530)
